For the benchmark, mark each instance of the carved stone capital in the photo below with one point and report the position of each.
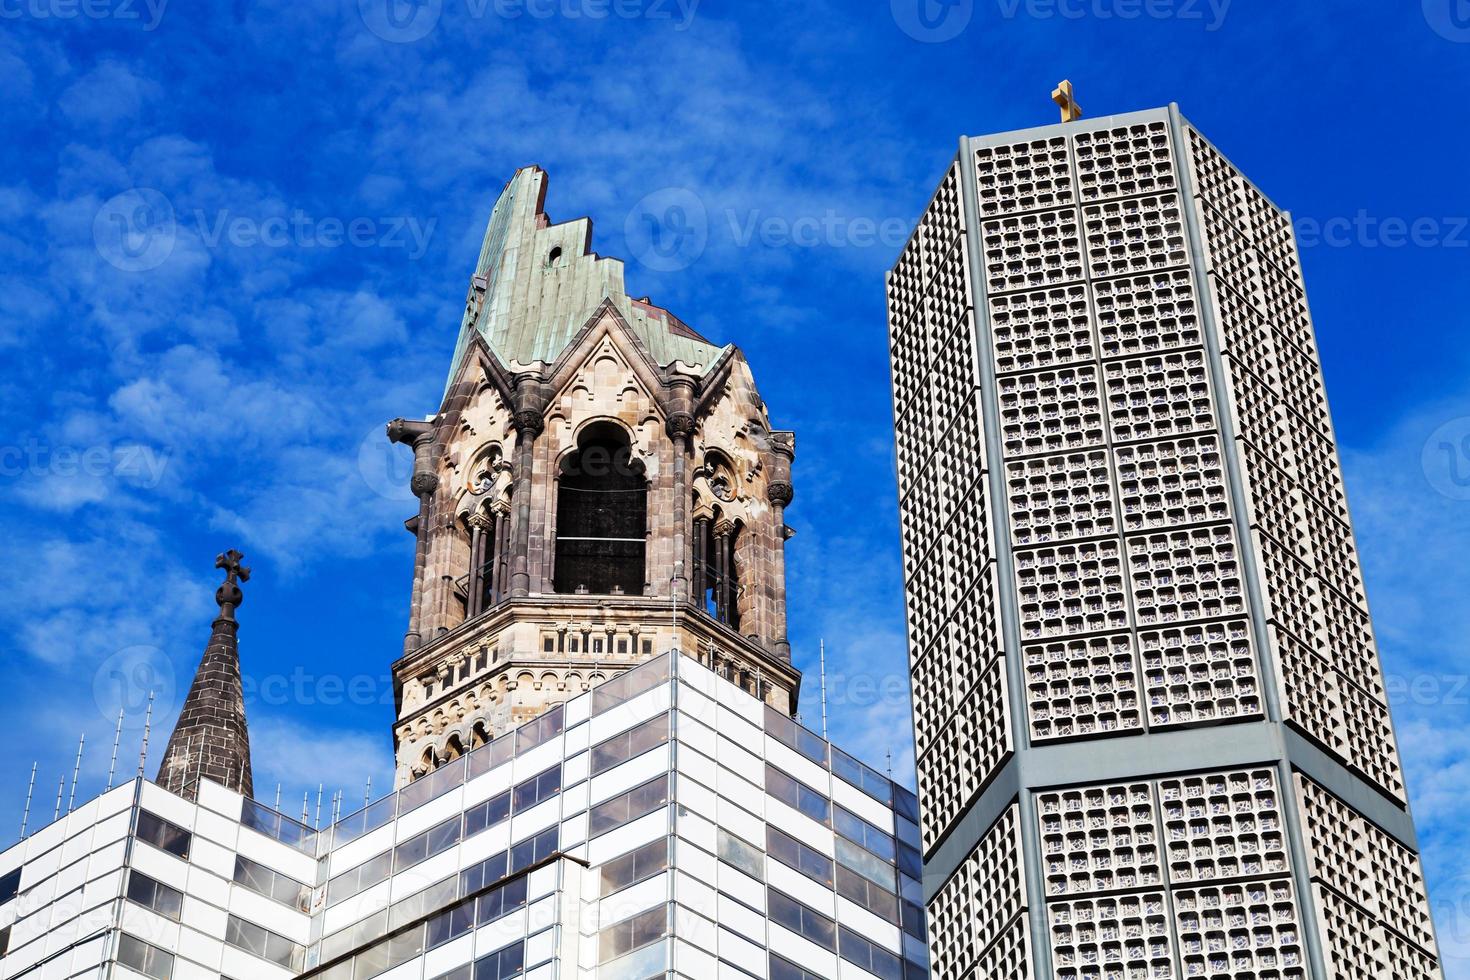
(724, 529)
(679, 424)
(424, 484)
(480, 522)
(528, 422)
(779, 492)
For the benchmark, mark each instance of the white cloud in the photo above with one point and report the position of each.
(109, 94)
(1413, 540)
(300, 757)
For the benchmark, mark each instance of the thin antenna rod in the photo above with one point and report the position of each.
(116, 741)
(147, 728)
(25, 818)
(822, 667)
(278, 797)
(60, 792)
(674, 598)
(305, 807)
(318, 806)
(199, 768)
(76, 771)
(367, 793)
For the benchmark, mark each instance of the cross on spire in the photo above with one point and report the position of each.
(1063, 96)
(228, 595)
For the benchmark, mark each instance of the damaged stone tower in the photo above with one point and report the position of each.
(599, 485)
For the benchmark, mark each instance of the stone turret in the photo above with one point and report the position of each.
(599, 485)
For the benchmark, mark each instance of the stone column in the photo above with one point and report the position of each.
(680, 427)
(498, 571)
(419, 435)
(480, 528)
(529, 421)
(701, 562)
(724, 591)
(779, 492)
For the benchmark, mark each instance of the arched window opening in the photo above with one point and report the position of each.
(718, 585)
(601, 516)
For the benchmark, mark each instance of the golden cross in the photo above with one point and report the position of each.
(1063, 97)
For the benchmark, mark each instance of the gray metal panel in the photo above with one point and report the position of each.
(1067, 129)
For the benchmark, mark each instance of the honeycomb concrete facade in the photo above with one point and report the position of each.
(555, 364)
(1153, 737)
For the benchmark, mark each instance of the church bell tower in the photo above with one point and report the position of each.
(600, 485)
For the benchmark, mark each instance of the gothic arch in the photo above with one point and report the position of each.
(601, 519)
(452, 749)
(479, 734)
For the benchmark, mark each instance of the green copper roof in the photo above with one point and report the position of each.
(541, 283)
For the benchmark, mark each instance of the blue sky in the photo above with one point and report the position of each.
(323, 171)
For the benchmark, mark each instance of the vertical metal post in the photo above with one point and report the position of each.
(76, 771)
(822, 669)
(116, 741)
(147, 727)
(25, 817)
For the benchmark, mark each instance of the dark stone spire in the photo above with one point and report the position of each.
(210, 740)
